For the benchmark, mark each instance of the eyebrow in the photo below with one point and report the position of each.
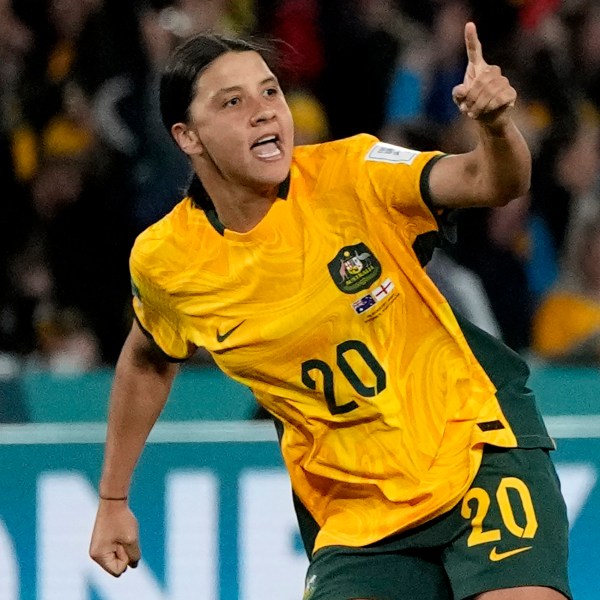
(236, 88)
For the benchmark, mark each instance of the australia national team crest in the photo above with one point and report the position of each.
(354, 268)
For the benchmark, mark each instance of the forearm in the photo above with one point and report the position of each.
(499, 168)
(502, 163)
(140, 390)
(495, 172)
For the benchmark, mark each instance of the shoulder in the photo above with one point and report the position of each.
(343, 157)
(357, 145)
(164, 242)
(364, 149)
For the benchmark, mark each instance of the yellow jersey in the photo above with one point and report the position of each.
(325, 311)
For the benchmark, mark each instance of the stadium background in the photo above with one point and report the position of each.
(86, 166)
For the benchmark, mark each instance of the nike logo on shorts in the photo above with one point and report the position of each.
(495, 556)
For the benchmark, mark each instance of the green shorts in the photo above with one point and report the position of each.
(510, 530)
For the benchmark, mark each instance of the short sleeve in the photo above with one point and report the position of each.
(399, 177)
(154, 312)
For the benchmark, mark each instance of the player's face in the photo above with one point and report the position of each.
(242, 120)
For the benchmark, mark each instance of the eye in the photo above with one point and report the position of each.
(272, 91)
(232, 102)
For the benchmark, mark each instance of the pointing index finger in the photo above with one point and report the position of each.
(474, 51)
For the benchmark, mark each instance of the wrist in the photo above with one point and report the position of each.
(496, 128)
(113, 498)
(113, 488)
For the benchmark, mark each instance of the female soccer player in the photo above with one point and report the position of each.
(418, 460)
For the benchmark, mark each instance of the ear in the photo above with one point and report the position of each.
(187, 139)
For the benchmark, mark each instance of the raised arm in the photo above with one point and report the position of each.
(499, 168)
(141, 385)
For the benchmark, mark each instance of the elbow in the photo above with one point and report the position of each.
(517, 183)
(511, 193)
(510, 189)
(506, 177)
(521, 183)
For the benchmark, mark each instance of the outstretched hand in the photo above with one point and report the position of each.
(485, 94)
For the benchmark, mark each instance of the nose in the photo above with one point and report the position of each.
(262, 114)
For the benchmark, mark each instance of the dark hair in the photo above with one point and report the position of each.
(186, 64)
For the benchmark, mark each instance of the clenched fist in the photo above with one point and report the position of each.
(114, 544)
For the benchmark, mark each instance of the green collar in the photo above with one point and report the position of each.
(202, 200)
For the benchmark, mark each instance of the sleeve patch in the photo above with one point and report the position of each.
(382, 152)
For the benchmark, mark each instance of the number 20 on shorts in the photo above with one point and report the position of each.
(482, 501)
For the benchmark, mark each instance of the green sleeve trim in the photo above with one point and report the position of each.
(443, 217)
(424, 186)
(425, 243)
(166, 356)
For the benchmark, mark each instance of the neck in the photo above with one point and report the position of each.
(239, 208)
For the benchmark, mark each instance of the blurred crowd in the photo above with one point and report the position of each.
(86, 165)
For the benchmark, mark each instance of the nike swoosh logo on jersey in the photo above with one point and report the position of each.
(496, 556)
(222, 338)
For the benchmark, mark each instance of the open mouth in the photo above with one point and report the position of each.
(267, 147)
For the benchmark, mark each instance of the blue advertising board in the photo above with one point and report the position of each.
(215, 513)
